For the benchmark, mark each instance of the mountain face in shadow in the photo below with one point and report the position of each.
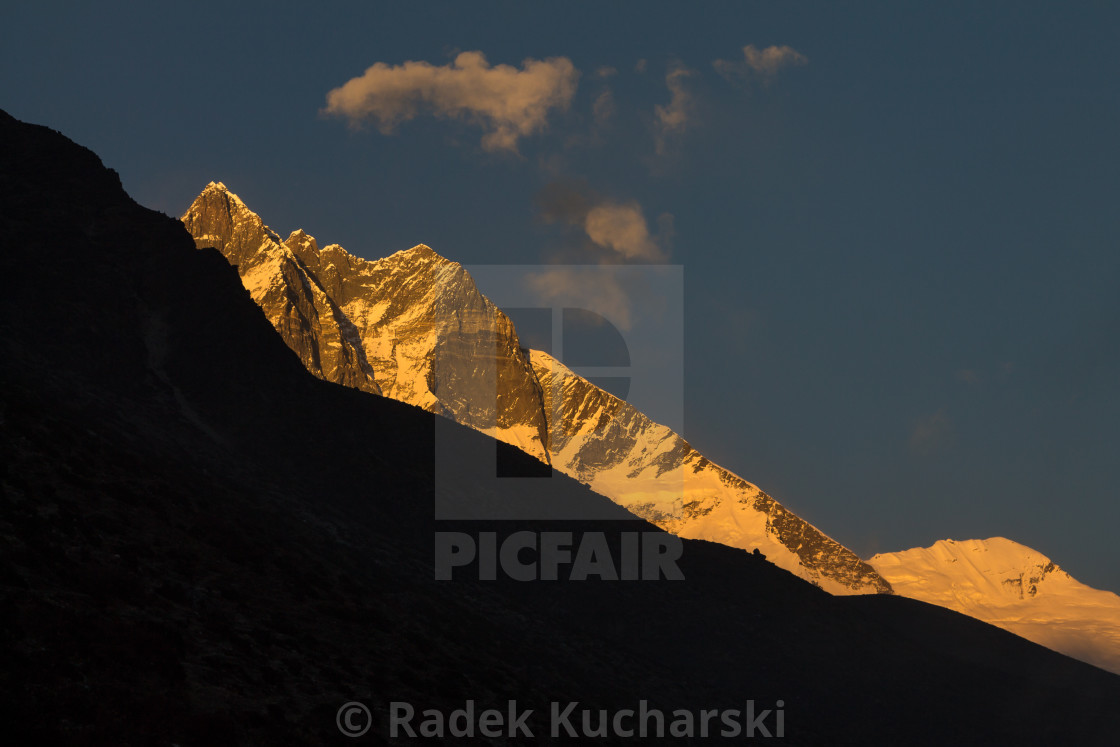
(204, 544)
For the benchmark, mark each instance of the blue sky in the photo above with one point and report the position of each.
(899, 246)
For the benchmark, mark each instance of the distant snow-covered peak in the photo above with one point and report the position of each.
(992, 555)
(1015, 587)
(975, 570)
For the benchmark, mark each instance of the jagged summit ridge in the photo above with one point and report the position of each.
(430, 338)
(411, 312)
(413, 324)
(278, 275)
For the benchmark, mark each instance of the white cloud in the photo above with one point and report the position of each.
(760, 63)
(506, 102)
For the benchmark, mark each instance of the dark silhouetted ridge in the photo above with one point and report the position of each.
(203, 544)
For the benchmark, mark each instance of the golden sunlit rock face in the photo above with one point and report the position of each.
(280, 278)
(412, 326)
(416, 326)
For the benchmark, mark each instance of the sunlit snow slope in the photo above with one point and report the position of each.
(606, 443)
(1014, 587)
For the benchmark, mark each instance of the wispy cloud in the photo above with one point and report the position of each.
(603, 108)
(671, 120)
(585, 288)
(617, 227)
(968, 375)
(930, 433)
(760, 64)
(508, 103)
(987, 374)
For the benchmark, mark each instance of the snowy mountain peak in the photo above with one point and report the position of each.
(1015, 587)
(229, 216)
(997, 566)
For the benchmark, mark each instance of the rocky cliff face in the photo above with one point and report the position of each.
(412, 326)
(282, 277)
(652, 471)
(417, 327)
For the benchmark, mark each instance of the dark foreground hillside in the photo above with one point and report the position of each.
(202, 544)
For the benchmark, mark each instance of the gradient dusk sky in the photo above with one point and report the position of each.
(898, 222)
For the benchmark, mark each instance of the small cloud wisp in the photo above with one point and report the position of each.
(761, 64)
(620, 228)
(671, 120)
